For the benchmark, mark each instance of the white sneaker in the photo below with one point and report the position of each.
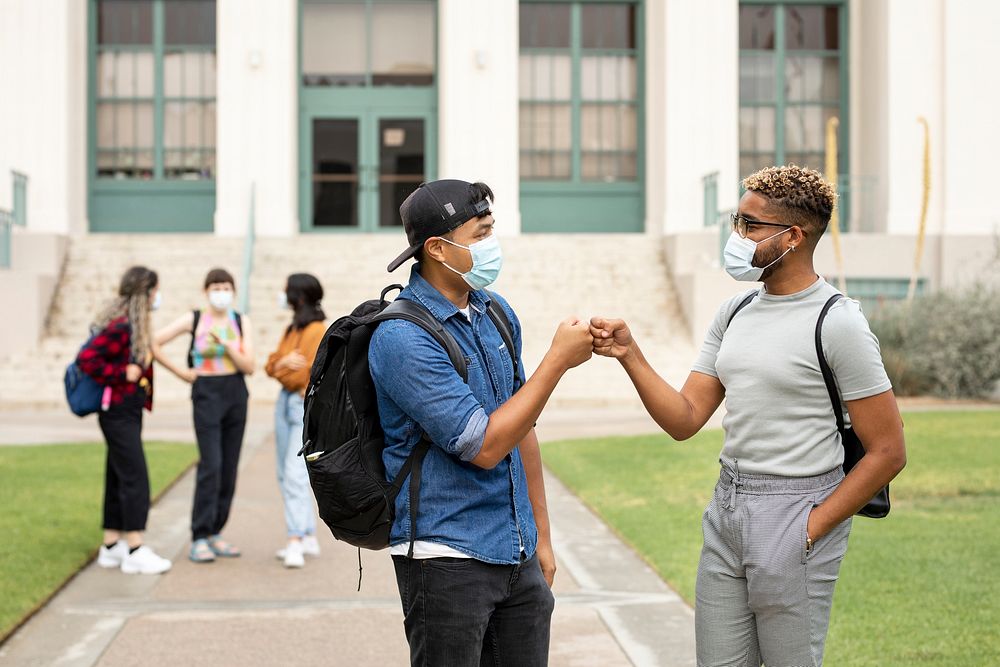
(293, 554)
(310, 547)
(112, 557)
(144, 561)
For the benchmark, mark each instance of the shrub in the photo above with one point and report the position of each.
(946, 343)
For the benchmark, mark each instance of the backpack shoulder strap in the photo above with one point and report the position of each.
(411, 311)
(743, 304)
(502, 323)
(238, 316)
(831, 385)
(196, 317)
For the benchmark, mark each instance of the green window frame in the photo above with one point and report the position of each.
(151, 115)
(794, 76)
(367, 87)
(581, 125)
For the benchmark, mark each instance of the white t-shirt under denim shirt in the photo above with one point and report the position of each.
(779, 420)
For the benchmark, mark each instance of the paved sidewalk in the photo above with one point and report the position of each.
(611, 608)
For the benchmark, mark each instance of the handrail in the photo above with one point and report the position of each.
(248, 246)
(18, 215)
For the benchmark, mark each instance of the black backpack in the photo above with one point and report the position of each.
(342, 436)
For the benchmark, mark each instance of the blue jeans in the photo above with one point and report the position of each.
(293, 479)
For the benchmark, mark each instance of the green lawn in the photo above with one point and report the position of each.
(51, 497)
(920, 587)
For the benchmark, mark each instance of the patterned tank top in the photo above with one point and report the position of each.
(207, 355)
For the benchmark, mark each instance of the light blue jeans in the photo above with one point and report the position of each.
(293, 480)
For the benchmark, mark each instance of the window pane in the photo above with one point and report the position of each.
(403, 44)
(105, 125)
(812, 78)
(209, 120)
(811, 160)
(189, 22)
(546, 77)
(607, 26)
(173, 73)
(333, 62)
(608, 127)
(144, 125)
(173, 124)
(544, 25)
(194, 66)
(401, 165)
(545, 166)
(757, 129)
(811, 27)
(125, 22)
(757, 74)
(805, 128)
(756, 27)
(608, 77)
(106, 73)
(194, 124)
(546, 126)
(751, 163)
(125, 126)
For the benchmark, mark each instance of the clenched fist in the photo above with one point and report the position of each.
(572, 345)
(612, 338)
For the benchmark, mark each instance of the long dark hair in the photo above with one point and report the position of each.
(132, 303)
(304, 294)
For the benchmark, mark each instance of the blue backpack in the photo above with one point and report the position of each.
(82, 391)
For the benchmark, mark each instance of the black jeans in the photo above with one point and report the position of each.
(220, 417)
(461, 612)
(126, 479)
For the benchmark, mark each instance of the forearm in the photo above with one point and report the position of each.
(511, 423)
(531, 457)
(669, 408)
(876, 469)
(166, 363)
(243, 361)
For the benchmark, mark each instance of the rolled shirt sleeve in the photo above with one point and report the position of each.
(853, 352)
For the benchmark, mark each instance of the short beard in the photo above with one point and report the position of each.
(768, 254)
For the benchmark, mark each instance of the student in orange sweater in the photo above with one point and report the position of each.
(290, 365)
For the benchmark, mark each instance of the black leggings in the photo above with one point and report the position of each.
(126, 479)
(220, 417)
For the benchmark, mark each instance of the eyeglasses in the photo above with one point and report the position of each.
(741, 224)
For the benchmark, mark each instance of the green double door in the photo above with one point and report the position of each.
(358, 164)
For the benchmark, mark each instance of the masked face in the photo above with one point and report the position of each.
(739, 256)
(487, 260)
(221, 299)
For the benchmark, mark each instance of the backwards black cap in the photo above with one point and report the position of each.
(436, 208)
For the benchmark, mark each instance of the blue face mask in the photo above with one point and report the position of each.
(487, 259)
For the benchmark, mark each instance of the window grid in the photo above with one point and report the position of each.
(768, 133)
(152, 159)
(592, 158)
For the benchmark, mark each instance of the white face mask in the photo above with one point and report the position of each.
(220, 299)
(157, 301)
(487, 260)
(738, 256)
(282, 301)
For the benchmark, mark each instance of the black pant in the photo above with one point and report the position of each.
(126, 479)
(220, 417)
(461, 612)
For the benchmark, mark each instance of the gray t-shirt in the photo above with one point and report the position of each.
(779, 418)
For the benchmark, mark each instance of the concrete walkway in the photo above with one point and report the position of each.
(611, 608)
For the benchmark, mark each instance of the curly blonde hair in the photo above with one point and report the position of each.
(798, 193)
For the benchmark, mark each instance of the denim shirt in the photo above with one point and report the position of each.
(483, 513)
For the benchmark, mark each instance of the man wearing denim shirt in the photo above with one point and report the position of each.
(476, 590)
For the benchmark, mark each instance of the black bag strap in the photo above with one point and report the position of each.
(743, 304)
(196, 317)
(413, 467)
(411, 311)
(502, 323)
(831, 385)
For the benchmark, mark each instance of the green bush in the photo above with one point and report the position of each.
(946, 343)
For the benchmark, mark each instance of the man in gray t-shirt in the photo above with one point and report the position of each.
(776, 529)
